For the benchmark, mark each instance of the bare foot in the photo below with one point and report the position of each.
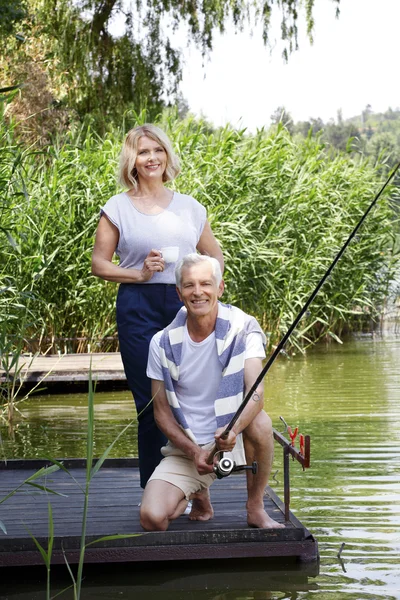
(202, 509)
(257, 517)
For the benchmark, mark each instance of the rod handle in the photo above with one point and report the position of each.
(214, 449)
(210, 458)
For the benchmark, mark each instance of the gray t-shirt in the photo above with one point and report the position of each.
(180, 224)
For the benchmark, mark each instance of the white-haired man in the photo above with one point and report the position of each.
(201, 366)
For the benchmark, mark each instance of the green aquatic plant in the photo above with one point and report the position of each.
(92, 467)
(91, 471)
(32, 481)
(280, 207)
(14, 370)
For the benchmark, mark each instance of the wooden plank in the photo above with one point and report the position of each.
(105, 366)
(31, 464)
(306, 551)
(113, 509)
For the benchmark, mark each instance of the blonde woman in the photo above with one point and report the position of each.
(135, 225)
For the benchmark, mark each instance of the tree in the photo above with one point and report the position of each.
(339, 135)
(368, 132)
(391, 114)
(91, 70)
(317, 124)
(383, 148)
(302, 128)
(281, 115)
(11, 13)
(366, 113)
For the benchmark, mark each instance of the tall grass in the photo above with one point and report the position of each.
(280, 208)
(92, 467)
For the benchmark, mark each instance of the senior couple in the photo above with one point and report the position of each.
(201, 366)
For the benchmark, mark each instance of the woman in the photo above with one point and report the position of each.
(135, 225)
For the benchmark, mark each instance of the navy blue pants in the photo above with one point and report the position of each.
(142, 310)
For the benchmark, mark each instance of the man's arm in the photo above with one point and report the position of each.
(167, 423)
(252, 369)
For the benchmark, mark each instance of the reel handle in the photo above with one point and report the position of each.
(226, 466)
(253, 467)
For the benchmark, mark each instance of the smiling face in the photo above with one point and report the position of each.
(199, 291)
(151, 159)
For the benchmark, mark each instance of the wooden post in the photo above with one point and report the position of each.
(286, 481)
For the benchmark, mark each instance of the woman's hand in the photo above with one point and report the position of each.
(107, 237)
(153, 263)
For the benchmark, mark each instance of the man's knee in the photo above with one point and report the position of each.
(260, 429)
(152, 519)
(159, 504)
(153, 511)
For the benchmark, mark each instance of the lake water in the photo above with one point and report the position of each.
(348, 399)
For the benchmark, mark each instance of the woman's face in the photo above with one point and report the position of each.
(151, 160)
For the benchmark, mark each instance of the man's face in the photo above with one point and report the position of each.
(199, 291)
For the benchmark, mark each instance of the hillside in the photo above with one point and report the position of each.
(369, 133)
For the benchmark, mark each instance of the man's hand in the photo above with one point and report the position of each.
(225, 444)
(200, 460)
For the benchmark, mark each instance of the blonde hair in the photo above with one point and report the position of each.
(127, 175)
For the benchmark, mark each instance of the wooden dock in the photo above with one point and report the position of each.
(54, 368)
(114, 509)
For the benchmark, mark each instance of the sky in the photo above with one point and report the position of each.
(353, 62)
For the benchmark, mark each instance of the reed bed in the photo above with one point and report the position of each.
(280, 208)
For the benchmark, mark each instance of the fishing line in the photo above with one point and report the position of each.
(285, 338)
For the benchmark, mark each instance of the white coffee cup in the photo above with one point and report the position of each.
(170, 253)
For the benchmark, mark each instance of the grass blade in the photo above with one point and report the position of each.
(46, 489)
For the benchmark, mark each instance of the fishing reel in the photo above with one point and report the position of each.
(225, 466)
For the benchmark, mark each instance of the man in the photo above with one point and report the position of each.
(201, 365)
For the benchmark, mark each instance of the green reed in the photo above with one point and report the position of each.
(33, 481)
(92, 467)
(280, 208)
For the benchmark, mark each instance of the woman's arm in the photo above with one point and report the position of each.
(208, 245)
(107, 236)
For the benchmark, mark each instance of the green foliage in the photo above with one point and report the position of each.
(15, 299)
(11, 13)
(376, 135)
(280, 207)
(281, 210)
(72, 60)
(32, 481)
(52, 228)
(90, 473)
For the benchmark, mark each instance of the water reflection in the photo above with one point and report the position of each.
(347, 398)
(56, 426)
(212, 580)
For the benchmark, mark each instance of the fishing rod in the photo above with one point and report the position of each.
(285, 338)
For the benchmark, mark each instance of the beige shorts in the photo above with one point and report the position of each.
(178, 469)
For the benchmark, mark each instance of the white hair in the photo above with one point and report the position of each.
(194, 259)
